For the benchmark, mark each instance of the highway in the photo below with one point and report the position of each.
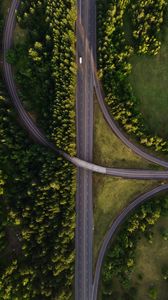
(86, 80)
(84, 126)
(115, 226)
(38, 134)
(104, 108)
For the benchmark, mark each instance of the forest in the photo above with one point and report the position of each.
(37, 188)
(115, 48)
(116, 44)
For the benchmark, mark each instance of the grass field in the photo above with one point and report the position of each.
(109, 150)
(149, 80)
(110, 196)
(150, 259)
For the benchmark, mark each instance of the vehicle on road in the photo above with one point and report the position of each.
(80, 60)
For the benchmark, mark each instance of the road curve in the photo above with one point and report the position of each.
(8, 75)
(115, 226)
(27, 121)
(109, 118)
(115, 127)
(40, 137)
(37, 134)
(117, 130)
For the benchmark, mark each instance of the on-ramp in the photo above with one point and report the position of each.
(115, 226)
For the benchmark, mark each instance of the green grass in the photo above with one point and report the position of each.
(149, 80)
(109, 150)
(110, 196)
(150, 259)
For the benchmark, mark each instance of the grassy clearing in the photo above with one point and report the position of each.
(149, 80)
(111, 195)
(150, 260)
(109, 150)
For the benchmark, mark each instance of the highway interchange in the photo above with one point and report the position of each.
(87, 81)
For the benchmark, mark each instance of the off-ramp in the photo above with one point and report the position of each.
(114, 227)
(38, 134)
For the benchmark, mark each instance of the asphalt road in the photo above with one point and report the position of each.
(7, 43)
(86, 78)
(38, 134)
(84, 124)
(104, 108)
(121, 135)
(113, 229)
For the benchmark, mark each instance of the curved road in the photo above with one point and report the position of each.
(38, 134)
(109, 118)
(121, 135)
(40, 137)
(116, 224)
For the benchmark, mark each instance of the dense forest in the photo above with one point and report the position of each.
(45, 67)
(37, 188)
(116, 46)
